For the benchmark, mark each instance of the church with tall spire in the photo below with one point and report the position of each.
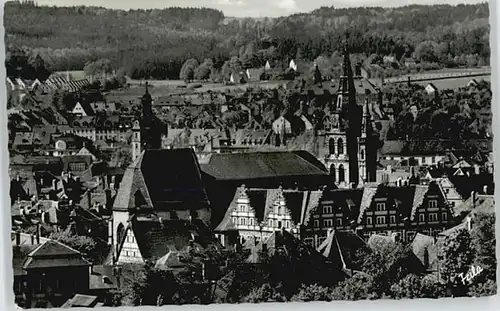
(350, 151)
(147, 130)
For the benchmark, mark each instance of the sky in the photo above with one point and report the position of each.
(247, 8)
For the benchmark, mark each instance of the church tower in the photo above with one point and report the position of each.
(351, 155)
(367, 157)
(150, 126)
(136, 140)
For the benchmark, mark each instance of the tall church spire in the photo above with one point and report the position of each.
(146, 102)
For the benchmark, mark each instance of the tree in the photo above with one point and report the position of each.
(203, 72)
(148, 286)
(83, 244)
(98, 68)
(407, 288)
(488, 288)
(188, 69)
(483, 242)
(41, 72)
(359, 286)
(313, 292)
(264, 293)
(458, 257)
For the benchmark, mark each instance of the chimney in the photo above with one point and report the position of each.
(38, 233)
(18, 238)
(477, 170)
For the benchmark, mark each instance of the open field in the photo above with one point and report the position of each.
(454, 83)
(160, 88)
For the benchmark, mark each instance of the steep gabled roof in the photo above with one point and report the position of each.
(425, 248)
(146, 176)
(341, 247)
(369, 192)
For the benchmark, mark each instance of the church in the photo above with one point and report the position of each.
(350, 148)
(161, 206)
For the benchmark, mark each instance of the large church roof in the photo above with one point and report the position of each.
(162, 178)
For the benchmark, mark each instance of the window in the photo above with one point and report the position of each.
(243, 221)
(332, 172)
(235, 221)
(327, 209)
(433, 217)
(433, 204)
(331, 145)
(340, 146)
(380, 207)
(271, 223)
(287, 224)
(243, 208)
(316, 223)
(250, 222)
(328, 223)
(421, 217)
(392, 219)
(381, 220)
(338, 222)
(362, 154)
(369, 220)
(341, 173)
(444, 216)
(277, 209)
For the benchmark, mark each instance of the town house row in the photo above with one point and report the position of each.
(311, 215)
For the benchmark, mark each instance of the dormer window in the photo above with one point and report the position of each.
(433, 204)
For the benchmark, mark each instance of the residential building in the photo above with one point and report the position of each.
(404, 211)
(431, 89)
(82, 110)
(380, 209)
(50, 272)
(258, 213)
(414, 153)
(254, 74)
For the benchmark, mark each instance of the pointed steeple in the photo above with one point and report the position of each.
(146, 101)
(346, 97)
(367, 118)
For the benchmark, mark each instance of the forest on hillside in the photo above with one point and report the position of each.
(157, 43)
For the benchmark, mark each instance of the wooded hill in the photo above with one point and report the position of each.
(156, 43)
